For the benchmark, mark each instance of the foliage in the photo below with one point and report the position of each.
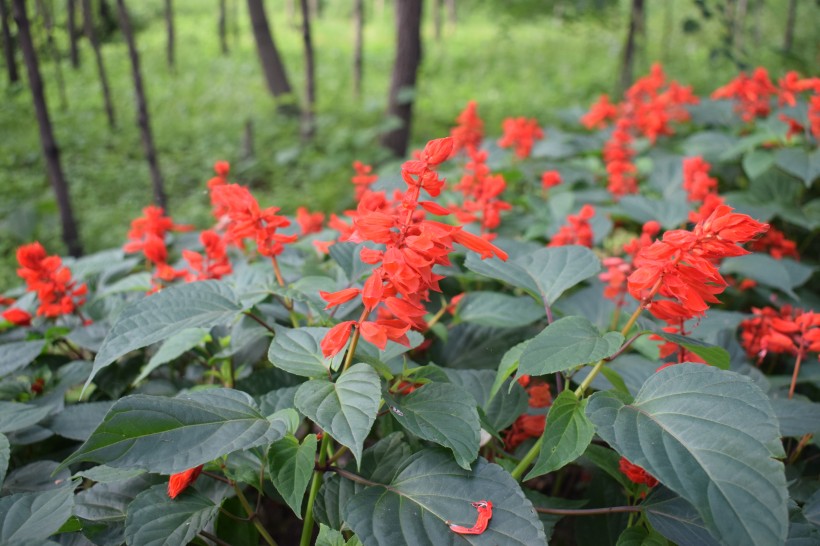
(475, 354)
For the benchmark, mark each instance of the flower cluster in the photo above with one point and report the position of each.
(46, 275)
(481, 190)
(213, 263)
(403, 274)
(696, 180)
(789, 330)
(147, 235)
(14, 315)
(527, 425)
(468, 133)
(363, 179)
(520, 133)
(775, 243)
(180, 481)
(635, 473)
(550, 179)
(577, 231)
(752, 94)
(618, 268)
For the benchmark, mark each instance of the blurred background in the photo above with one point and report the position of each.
(291, 92)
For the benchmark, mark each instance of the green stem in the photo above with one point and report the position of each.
(589, 511)
(351, 350)
(525, 463)
(252, 515)
(307, 527)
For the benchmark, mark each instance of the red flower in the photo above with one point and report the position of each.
(340, 297)
(522, 134)
(696, 180)
(578, 231)
(550, 179)
(636, 474)
(335, 340)
(599, 113)
(540, 395)
(526, 426)
(58, 293)
(309, 222)
(752, 94)
(485, 514)
(469, 131)
(177, 483)
(16, 316)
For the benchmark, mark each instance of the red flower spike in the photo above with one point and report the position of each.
(50, 280)
(337, 298)
(437, 151)
(636, 474)
(18, 317)
(485, 514)
(470, 129)
(177, 483)
(335, 340)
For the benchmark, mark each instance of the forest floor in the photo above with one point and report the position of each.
(201, 109)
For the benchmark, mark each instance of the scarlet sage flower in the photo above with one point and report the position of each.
(213, 264)
(525, 427)
(482, 190)
(775, 243)
(309, 222)
(600, 113)
(752, 94)
(485, 514)
(469, 131)
(45, 275)
(696, 180)
(18, 317)
(177, 483)
(577, 231)
(550, 179)
(636, 474)
(520, 133)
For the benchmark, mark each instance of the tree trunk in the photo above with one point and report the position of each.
(358, 47)
(405, 69)
(437, 9)
(169, 27)
(71, 24)
(308, 121)
(274, 70)
(223, 27)
(788, 38)
(628, 61)
(8, 44)
(48, 23)
(51, 153)
(143, 120)
(88, 25)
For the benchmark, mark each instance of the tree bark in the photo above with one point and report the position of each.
(71, 24)
(405, 70)
(223, 27)
(275, 75)
(308, 115)
(88, 25)
(8, 44)
(51, 152)
(169, 28)
(358, 47)
(143, 119)
(788, 37)
(628, 61)
(48, 23)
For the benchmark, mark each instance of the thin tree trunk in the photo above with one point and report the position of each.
(739, 24)
(788, 38)
(308, 116)
(405, 70)
(8, 44)
(71, 24)
(51, 153)
(274, 70)
(358, 47)
(315, 9)
(55, 55)
(169, 27)
(628, 61)
(223, 27)
(437, 9)
(143, 119)
(88, 25)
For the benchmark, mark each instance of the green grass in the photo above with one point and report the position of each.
(536, 66)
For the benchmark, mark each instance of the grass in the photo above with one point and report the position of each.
(536, 66)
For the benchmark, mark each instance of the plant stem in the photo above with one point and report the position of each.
(253, 516)
(307, 527)
(794, 375)
(261, 322)
(213, 538)
(351, 350)
(287, 301)
(589, 511)
(518, 471)
(352, 477)
(335, 457)
(438, 315)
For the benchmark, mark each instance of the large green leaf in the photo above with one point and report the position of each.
(785, 274)
(16, 416)
(566, 343)
(19, 354)
(173, 347)
(546, 273)
(566, 436)
(290, 467)
(712, 354)
(169, 435)
(507, 366)
(500, 411)
(676, 519)
(34, 516)
(442, 413)
(431, 490)
(499, 310)
(298, 351)
(159, 316)
(108, 502)
(711, 436)
(800, 163)
(5, 454)
(669, 212)
(154, 519)
(78, 421)
(797, 417)
(346, 408)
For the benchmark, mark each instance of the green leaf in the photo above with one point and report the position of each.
(566, 436)
(346, 409)
(173, 347)
(800, 163)
(442, 413)
(501, 411)
(546, 273)
(540, 500)
(34, 516)
(430, 490)
(298, 351)
(712, 354)
(756, 162)
(507, 366)
(499, 310)
(5, 455)
(17, 355)
(676, 519)
(332, 537)
(78, 421)
(290, 467)
(16, 416)
(797, 417)
(154, 519)
(159, 316)
(640, 536)
(785, 274)
(670, 213)
(566, 343)
(607, 460)
(710, 436)
(169, 435)
(108, 502)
